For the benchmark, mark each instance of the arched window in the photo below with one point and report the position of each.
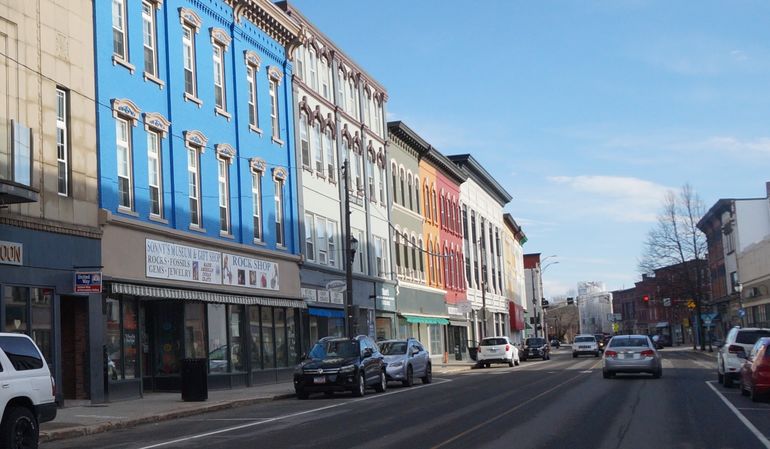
(427, 201)
(431, 273)
(417, 193)
(405, 239)
(447, 265)
(394, 175)
(331, 166)
(348, 157)
(398, 251)
(304, 143)
(401, 177)
(434, 206)
(409, 190)
(414, 256)
(443, 211)
(422, 259)
(358, 174)
(317, 148)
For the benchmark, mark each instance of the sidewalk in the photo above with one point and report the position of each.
(79, 418)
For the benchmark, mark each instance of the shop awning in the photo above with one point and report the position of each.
(458, 323)
(662, 324)
(425, 319)
(328, 313)
(148, 292)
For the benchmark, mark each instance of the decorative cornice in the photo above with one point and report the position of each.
(195, 138)
(125, 108)
(257, 164)
(157, 122)
(220, 36)
(190, 17)
(269, 18)
(279, 174)
(225, 151)
(346, 134)
(48, 225)
(303, 106)
(481, 176)
(252, 58)
(331, 124)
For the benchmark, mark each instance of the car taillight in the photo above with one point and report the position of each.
(648, 353)
(53, 387)
(507, 348)
(610, 353)
(734, 349)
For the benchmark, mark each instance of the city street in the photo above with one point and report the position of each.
(561, 403)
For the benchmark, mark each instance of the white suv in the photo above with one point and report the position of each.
(27, 391)
(585, 344)
(497, 350)
(738, 340)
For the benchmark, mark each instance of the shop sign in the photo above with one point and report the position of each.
(11, 253)
(88, 282)
(464, 306)
(249, 272)
(337, 298)
(166, 260)
(337, 285)
(323, 296)
(309, 294)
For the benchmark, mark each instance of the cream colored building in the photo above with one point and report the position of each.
(513, 276)
(48, 185)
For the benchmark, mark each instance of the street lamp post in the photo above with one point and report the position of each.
(351, 245)
(741, 313)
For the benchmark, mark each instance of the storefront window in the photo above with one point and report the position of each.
(217, 338)
(112, 339)
(384, 329)
(194, 345)
(292, 334)
(15, 302)
(256, 338)
(436, 342)
(42, 299)
(129, 339)
(236, 342)
(280, 338)
(268, 350)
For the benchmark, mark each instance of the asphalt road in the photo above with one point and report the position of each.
(561, 403)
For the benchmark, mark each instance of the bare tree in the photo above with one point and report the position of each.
(675, 240)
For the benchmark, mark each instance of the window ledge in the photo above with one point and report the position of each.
(307, 168)
(279, 246)
(158, 218)
(320, 174)
(127, 211)
(154, 79)
(254, 129)
(223, 113)
(197, 228)
(193, 98)
(226, 235)
(278, 141)
(259, 242)
(117, 60)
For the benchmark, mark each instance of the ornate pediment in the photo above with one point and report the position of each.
(157, 122)
(125, 108)
(195, 138)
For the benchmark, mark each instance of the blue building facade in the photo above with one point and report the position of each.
(197, 191)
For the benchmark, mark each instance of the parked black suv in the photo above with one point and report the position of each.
(536, 347)
(341, 364)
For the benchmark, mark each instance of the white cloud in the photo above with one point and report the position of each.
(617, 198)
(760, 145)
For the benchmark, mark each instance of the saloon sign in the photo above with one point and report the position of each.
(11, 253)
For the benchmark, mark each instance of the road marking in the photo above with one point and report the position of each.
(508, 412)
(762, 439)
(222, 419)
(588, 371)
(754, 409)
(101, 416)
(292, 415)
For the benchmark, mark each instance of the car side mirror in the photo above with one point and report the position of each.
(304, 356)
(415, 351)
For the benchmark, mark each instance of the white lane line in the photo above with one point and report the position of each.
(101, 416)
(762, 439)
(223, 419)
(754, 409)
(291, 415)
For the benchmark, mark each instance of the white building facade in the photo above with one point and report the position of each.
(594, 308)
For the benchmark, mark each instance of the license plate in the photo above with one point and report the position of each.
(492, 349)
(582, 347)
(319, 380)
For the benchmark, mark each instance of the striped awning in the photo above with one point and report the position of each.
(150, 293)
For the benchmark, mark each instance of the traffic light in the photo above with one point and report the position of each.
(544, 303)
(646, 299)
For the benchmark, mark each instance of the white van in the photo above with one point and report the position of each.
(27, 391)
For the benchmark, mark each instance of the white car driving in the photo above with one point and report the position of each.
(497, 350)
(738, 340)
(585, 344)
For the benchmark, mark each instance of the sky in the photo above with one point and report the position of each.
(587, 112)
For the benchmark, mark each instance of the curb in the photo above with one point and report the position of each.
(79, 431)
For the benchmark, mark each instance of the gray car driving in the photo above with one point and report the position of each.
(406, 360)
(631, 354)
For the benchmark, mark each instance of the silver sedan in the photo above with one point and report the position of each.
(406, 360)
(631, 354)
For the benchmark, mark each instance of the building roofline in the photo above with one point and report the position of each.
(447, 166)
(517, 231)
(291, 11)
(482, 176)
(269, 17)
(411, 138)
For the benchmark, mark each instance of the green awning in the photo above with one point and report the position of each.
(425, 320)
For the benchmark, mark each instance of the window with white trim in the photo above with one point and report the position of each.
(417, 194)
(279, 230)
(154, 180)
(251, 80)
(299, 62)
(124, 157)
(381, 183)
(325, 91)
(274, 118)
(223, 181)
(313, 68)
(62, 142)
(149, 39)
(320, 239)
(219, 77)
(194, 185)
(256, 204)
(370, 176)
(381, 256)
(321, 243)
(359, 260)
(119, 39)
(309, 240)
(331, 165)
(341, 101)
(358, 176)
(318, 148)
(331, 241)
(304, 143)
(188, 54)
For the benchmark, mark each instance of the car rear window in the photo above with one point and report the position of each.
(585, 340)
(628, 342)
(22, 353)
(493, 341)
(750, 337)
(535, 342)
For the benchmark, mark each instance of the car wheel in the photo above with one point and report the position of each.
(658, 373)
(744, 391)
(728, 381)
(596, 354)
(517, 362)
(428, 378)
(720, 377)
(360, 389)
(547, 357)
(606, 374)
(574, 355)
(20, 429)
(510, 362)
(382, 385)
(409, 381)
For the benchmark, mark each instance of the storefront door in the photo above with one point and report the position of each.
(162, 351)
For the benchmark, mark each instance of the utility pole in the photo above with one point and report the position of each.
(349, 256)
